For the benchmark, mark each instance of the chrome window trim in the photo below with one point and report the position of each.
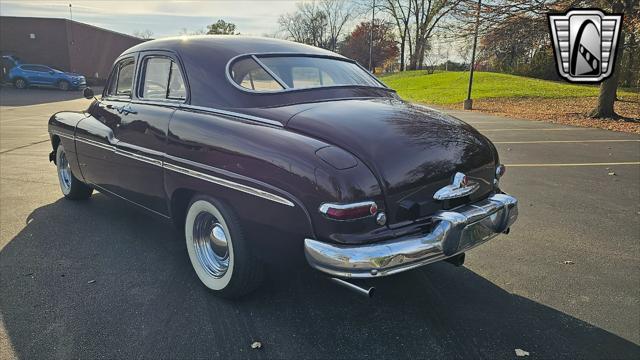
(190, 172)
(270, 72)
(232, 114)
(164, 103)
(140, 78)
(255, 56)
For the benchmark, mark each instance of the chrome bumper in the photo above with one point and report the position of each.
(454, 232)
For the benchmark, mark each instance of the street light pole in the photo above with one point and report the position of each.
(373, 20)
(468, 103)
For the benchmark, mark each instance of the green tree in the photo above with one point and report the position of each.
(222, 28)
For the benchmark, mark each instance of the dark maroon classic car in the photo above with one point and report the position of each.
(264, 149)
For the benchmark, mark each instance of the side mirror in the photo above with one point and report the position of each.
(88, 93)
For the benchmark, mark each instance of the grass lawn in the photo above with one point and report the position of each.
(443, 88)
(517, 97)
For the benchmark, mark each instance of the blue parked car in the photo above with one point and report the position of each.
(25, 75)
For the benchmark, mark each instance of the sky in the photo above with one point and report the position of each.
(167, 17)
(163, 18)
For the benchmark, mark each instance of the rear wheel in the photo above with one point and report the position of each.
(63, 85)
(71, 187)
(218, 250)
(20, 83)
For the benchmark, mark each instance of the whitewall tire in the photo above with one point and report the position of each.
(218, 251)
(71, 187)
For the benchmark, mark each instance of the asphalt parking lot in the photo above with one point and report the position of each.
(100, 279)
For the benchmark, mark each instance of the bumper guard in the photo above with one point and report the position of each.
(454, 232)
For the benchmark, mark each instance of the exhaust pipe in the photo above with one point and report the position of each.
(362, 291)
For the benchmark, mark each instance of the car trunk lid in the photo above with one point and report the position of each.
(412, 150)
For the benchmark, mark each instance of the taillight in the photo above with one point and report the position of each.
(349, 211)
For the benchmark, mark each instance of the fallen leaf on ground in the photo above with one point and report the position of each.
(520, 352)
(567, 111)
(256, 345)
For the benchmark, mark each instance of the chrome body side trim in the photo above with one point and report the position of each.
(229, 184)
(61, 134)
(139, 157)
(454, 232)
(190, 172)
(95, 143)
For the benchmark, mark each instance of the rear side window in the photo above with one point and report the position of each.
(162, 80)
(177, 90)
(156, 78)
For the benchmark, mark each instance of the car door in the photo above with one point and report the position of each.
(121, 146)
(43, 75)
(48, 76)
(96, 136)
(32, 74)
(142, 132)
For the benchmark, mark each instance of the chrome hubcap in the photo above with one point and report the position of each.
(64, 172)
(20, 83)
(210, 241)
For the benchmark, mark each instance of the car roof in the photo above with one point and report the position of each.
(205, 58)
(228, 46)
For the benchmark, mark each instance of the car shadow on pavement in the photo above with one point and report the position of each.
(101, 279)
(10, 96)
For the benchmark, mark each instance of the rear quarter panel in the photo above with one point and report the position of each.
(269, 158)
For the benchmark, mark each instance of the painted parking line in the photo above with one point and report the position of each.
(484, 122)
(34, 117)
(564, 141)
(538, 129)
(574, 164)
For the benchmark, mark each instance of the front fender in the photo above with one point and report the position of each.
(62, 127)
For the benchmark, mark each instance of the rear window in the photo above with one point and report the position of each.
(272, 73)
(248, 74)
